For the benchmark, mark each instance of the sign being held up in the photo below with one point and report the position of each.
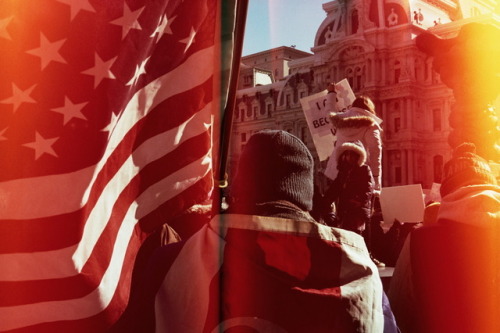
(403, 203)
(317, 116)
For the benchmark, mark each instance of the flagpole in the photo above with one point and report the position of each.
(227, 116)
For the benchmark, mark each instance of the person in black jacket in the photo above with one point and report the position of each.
(353, 188)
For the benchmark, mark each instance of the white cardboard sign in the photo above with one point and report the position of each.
(404, 203)
(318, 120)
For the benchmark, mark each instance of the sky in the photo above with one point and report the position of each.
(273, 23)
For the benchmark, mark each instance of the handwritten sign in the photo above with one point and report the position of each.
(316, 111)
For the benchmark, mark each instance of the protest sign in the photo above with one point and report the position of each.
(402, 203)
(316, 112)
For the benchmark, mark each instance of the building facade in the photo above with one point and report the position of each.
(372, 44)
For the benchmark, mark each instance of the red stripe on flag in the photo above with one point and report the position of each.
(108, 133)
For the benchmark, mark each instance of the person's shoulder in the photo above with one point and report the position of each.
(351, 120)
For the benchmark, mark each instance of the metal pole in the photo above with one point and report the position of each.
(227, 117)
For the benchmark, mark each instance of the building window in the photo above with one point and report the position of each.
(436, 120)
(397, 71)
(397, 124)
(249, 113)
(255, 110)
(397, 175)
(358, 79)
(242, 114)
(263, 111)
(287, 99)
(350, 77)
(419, 70)
(438, 168)
(354, 21)
(303, 134)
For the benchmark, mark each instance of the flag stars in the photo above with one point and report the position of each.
(101, 70)
(71, 110)
(139, 70)
(112, 124)
(189, 40)
(3, 27)
(48, 51)
(128, 20)
(19, 96)
(163, 28)
(42, 146)
(76, 6)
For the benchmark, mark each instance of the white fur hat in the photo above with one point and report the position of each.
(355, 146)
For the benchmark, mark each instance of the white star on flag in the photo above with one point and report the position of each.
(42, 145)
(19, 96)
(48, 51)
(76, 6)
(163, 28)
(139, 70)
(3, 27)
(71, 110)
(189, 40)
(101, 70)
(128, 20)
(112, 124)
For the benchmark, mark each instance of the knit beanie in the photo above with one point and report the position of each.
(355, 146)
(465, 168)
(274, 165)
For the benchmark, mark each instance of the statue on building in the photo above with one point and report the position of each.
(392, 18)
(469, 65)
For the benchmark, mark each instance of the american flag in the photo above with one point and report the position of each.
(106, 115)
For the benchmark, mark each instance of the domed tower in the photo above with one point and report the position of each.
(372, 44)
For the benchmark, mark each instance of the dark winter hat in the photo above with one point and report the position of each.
(355, 146)
(465, 168)
(274, 165)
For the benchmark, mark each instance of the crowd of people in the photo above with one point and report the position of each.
(285, 258)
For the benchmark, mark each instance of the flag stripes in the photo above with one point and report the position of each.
(137, 80)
